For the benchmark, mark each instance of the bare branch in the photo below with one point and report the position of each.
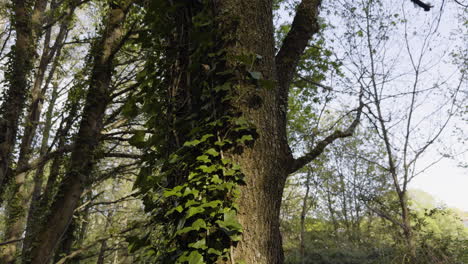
(42, 160)
(426, 7)
(10, 242)
(320, 147)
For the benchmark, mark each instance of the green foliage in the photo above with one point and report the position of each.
(189, 182)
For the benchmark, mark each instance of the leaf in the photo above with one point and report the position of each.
(173, 192)
(212, 152)
(245, 138)
(230, 225)
(195, 258)
(204, 158)
(214, 252)
(138, 139)
(192, 143)
(196, 226)
(194, 210)
(212, 204)
(178, 209)
(255, 75)
(200, 244)
(207, 169)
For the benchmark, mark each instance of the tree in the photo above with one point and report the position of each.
(216, 80)
(87, 140)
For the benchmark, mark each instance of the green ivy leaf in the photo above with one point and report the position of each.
(194, 210)
(195, 258)
(174, 191)
(204, 158)
(207, 169)
(138, 139)
(200, 244)
(212, 204)
(255, 75)
(212, 152)
(178, 209)
(214, 252)
(245, 138)
(192, 143)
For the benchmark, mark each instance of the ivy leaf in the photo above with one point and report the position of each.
(174, 192)
(255, 75)
(204, 158)
(195, 258)
(230, 225)
(212, 204)
(173, 158)
(212, 152)
(207, 169)
(192, 143)
(215, 179)
(214, 252)
(200, 244)
(245, 138)
(196, 226)
(194, 210)
(178, 209)
(205, 137)
(138, 139)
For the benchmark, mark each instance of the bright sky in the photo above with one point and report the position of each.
(446, 180)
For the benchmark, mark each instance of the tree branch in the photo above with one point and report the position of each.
(320, 147)
(426, 7)
(42, 160)
(10, 242)
(304, 26)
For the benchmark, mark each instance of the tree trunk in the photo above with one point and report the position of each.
(27, 25)
(87, 140)
(303, 217)
(268, 161)
(264, 164)
(20, 191)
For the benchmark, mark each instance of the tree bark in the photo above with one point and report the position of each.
(267, 163)
(87, 140)
(27, 25)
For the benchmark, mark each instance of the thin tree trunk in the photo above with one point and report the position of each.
(28, 27)
(27, 23)
(303, 216)
(82, 157)
(34, 211)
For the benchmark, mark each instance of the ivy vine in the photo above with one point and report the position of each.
(189, 182)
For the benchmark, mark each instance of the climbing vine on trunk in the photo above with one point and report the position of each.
(189, 183)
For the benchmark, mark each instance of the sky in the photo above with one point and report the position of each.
(447, 181)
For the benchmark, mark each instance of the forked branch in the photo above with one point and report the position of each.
(320, 147)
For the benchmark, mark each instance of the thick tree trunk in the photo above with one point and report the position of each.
(265, 164)
(87, 140)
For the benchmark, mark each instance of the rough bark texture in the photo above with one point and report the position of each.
(22, 59)
(87, 140)
(28, 21)
(267, 163)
